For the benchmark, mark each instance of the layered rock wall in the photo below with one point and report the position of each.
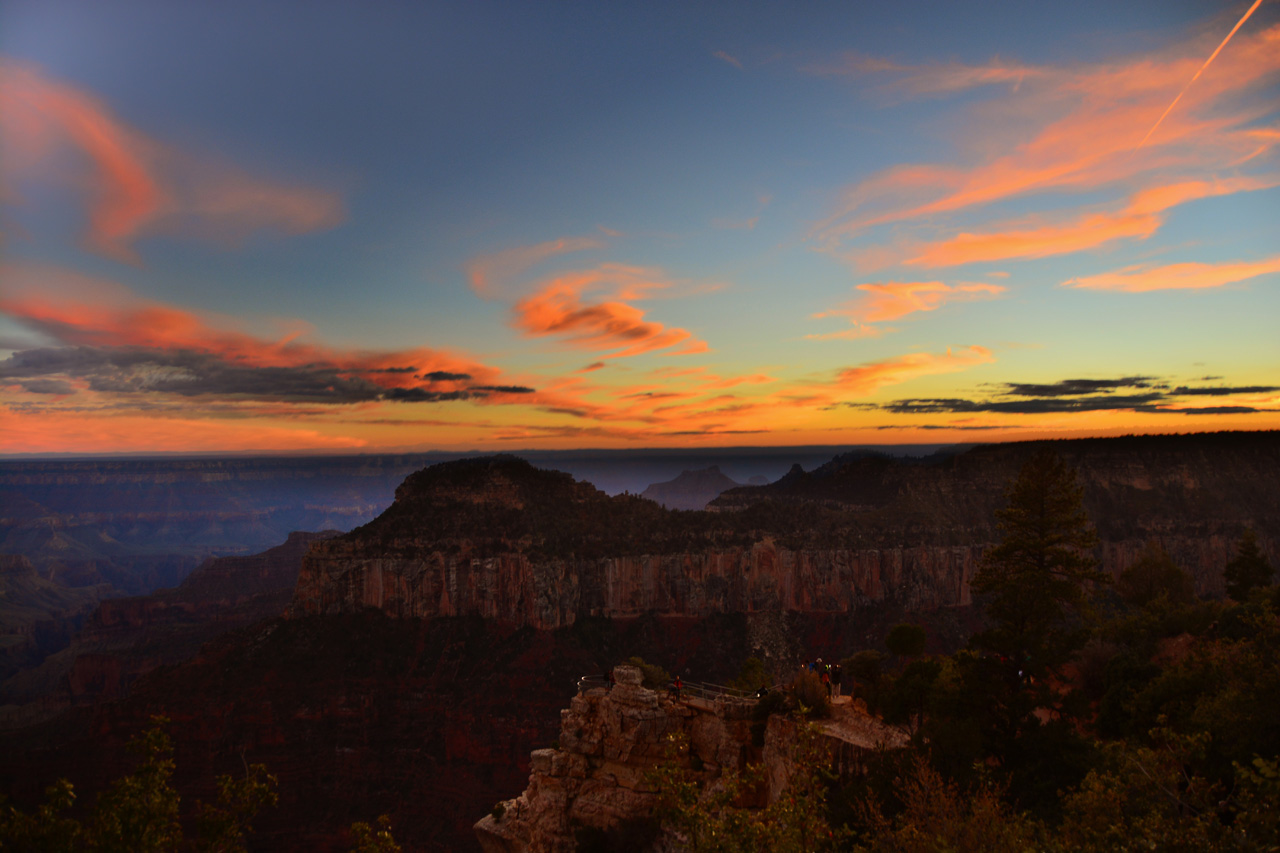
(339, 576)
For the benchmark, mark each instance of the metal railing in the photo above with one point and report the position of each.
(703, 690)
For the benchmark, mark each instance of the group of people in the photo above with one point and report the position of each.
(828, 674)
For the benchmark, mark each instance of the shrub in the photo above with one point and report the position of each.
(811, 694)
(655, 677)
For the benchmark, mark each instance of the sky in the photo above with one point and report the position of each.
(248, 226)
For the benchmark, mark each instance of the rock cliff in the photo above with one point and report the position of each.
(501, 539)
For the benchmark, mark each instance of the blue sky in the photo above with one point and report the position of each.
(238, 226)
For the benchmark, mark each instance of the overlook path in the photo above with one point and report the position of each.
(849, 720)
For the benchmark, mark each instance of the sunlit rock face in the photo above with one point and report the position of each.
(498, 538)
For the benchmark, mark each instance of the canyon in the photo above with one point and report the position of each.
(428, 652)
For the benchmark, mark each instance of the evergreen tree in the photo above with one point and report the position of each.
(1248, 570)
(1037, 582)
(1036, 585)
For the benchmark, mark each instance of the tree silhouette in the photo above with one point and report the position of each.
(1037, 581)
(1248, 570)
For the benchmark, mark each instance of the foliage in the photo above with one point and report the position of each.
(1036, 582)
(906, 640)
(1248, 570)
(717, 815)
(371, 840)
(811, 695)
(935, 815)
(223, 827)
(1144, 795)
(140, 812)
(46, 830)
(752, 677)
(1152, 575)
(655, 677)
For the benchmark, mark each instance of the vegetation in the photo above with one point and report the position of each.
(140, 812)
(721, 818)
(1248, 570)
(1083, 719)
(655, 677)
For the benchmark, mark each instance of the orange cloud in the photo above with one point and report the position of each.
(556, 309)
(84, 311)
(895, 299)
(866, 378)
(486, 273)
(1143, 278)
(135, 184)
(1139, 219)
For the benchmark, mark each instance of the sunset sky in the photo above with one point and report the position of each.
(242, 226)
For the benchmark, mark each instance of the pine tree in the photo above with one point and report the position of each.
(1037, 582)
(1248, 570)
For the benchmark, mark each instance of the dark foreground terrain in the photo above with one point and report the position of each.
(389, 690)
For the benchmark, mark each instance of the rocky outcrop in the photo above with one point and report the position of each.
(596, 780)
(691, 490)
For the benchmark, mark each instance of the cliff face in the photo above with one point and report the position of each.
(552, 593)
(498, 538)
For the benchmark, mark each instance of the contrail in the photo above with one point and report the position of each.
(1212, 56)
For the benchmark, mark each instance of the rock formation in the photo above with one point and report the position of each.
(611, 736)
(498, 538)
(691, 490)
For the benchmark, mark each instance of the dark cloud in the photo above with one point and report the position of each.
(425, 395)
(1076, 387)
(47, 386)
(1221, 391)
(187, 373)
(504, 389)
(1079, 395)
(1034, 406)
(389, 370)
(445, 376)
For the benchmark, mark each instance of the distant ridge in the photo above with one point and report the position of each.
(692, 489)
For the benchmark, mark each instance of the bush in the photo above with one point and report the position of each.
(811, 694)
(655, 677)
(752, 677)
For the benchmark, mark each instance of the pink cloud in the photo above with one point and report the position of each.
(1090, 119)
(488, 273)
(134, 184)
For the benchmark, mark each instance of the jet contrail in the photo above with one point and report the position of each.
(1212, 56)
